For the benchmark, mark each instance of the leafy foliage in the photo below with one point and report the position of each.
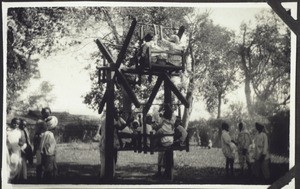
(212, 61)
(36, 32)
(41, 31)
(265, 61)
(209, 130)
(30, 32)
(118, 20)
(42, 97)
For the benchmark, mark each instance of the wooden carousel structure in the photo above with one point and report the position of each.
(144, 63)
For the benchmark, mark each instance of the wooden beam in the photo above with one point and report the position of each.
(102, 103)
(122, 79)
(110, 155)
(120, 58)
(152, 95)
(297, 104)
(169, 154)
(286, 179)
(293, 24)
(176, 91)
(122, 53)
(104, 51)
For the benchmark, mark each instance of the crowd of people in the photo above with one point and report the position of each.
(167, 131)
(249, 152)
(253, 152)
(21, 150)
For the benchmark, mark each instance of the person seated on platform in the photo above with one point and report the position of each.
(166, 128)
(136, 128)
(160, 48)
(180, 133)
(124, 132)
(150, 41)
(134, 124)
(172, 43)
(126, 136)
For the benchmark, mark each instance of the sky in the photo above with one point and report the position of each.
(71, 81)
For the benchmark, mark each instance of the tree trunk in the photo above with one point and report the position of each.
(190, 90)
(219, 105)
(188, 111)
(126, 104)
(109, 152)
(248, 95)
(169, 155)
(247, 78)
(112, 26)
(189, 97)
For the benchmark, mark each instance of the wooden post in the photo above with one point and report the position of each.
(144, 133)
(168, 153)
(109, 130)
(126, 104)
(151, 143)
(297, 99)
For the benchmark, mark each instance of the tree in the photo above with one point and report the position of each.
(41, 98)
(30, 32)
(36, 32)
(220, 75)
(118, 20)
(264, 53)
(197, 31)
(212, 63)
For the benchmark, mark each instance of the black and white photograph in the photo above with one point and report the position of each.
(100, 94)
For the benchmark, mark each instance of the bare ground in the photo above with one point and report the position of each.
(79, 163)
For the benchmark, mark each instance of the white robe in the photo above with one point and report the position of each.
(14, 149)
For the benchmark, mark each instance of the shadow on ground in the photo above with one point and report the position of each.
(69, 173)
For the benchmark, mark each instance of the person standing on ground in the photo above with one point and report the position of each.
(48, 147)
(149, 129)
(119, 124)
(25, 155)
(228, 148)
(243, 143)
(40, 129)
(164, 141)
(16, 143)
(261, 153)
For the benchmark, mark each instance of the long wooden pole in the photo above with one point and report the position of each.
(168, 153)
(110, 156)
(297, 182)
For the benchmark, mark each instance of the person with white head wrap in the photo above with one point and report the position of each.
(48, 147)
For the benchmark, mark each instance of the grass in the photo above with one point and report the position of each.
(79, 163)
